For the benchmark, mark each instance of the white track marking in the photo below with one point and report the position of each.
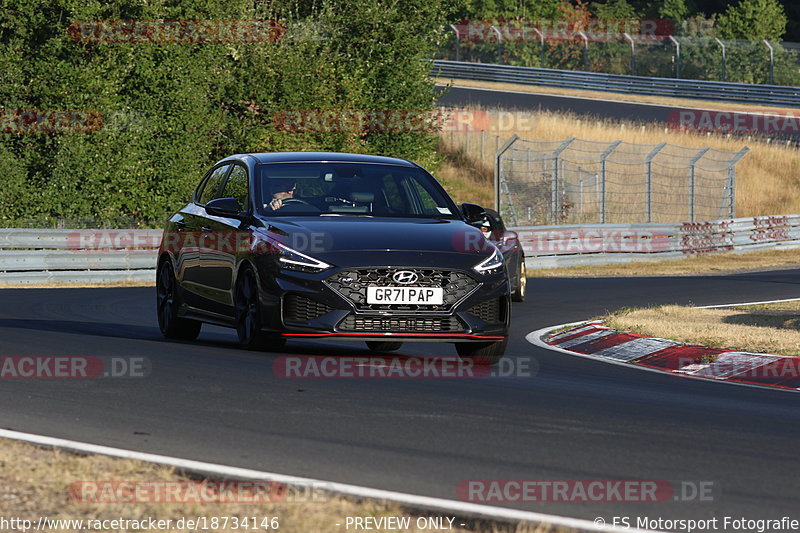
(425, 502)
(746, 303)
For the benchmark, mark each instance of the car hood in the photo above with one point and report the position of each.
(319, 236)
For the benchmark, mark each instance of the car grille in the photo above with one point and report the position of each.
(301, 309)
(400, 324)
(488, 311)
(352, 284)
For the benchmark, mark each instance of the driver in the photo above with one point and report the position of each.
(281, 190)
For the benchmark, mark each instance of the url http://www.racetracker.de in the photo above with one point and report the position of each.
(199, 523)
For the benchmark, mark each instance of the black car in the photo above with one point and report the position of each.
(507, 241)
(332, 245)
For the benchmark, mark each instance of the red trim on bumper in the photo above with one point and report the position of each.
(434, 335)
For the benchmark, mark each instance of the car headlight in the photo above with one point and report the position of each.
(293, 260)
(491, 264)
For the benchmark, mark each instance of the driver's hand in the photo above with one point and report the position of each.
(276, 204)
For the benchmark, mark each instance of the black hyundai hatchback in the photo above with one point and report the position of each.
(332, 245)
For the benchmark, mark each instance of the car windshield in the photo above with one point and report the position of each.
(354, 189)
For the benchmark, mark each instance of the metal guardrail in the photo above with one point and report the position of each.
(77, 256)
(597, 244)
(29, 256)
(568, 79)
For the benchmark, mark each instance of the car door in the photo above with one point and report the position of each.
(218, 261)
(198, 240)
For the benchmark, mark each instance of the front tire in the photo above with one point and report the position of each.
(482, 353)
(171, 325)
(518, 295)
(383, 346)
(248, 316)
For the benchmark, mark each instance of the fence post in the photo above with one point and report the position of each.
(649, 181)
(541, 40)
(722, 46)
(732, 181)
(603, 158)
(771, 62)
(498, 168)
(633, 54)
(554, 181)
(458, 43)
(692, 164)
(585, 51)
(677, 55)
(499, 45)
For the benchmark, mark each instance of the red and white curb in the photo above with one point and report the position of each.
(593, 340)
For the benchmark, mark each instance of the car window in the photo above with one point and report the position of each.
(357, 189)
(237, 187)
(211, 188)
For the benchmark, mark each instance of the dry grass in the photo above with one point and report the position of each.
(767, 179)
(77, 285)
(773, 331)
(34, 482)
(724, 263)
(603, 95)
(792, 305)
(466, 179)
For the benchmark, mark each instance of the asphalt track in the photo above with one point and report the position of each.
(573, 419)
(614, 110)
(605, 109)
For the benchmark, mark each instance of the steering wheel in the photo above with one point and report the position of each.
(295, 201)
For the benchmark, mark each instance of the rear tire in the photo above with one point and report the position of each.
(248, 316)
(482, 353)
(518, 295)
(383, 346)
(171, 325)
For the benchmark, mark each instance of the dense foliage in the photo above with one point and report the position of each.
(170, 109)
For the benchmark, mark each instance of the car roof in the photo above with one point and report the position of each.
(296, 157)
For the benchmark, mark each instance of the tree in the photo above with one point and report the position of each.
(752, 20)
(615, 9)
(674, 10)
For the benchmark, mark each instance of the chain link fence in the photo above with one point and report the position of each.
(576, 181)
(664, 56)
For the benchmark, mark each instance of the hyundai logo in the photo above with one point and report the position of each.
(406, 277)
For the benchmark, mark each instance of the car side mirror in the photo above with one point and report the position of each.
(509, 236)
(224, 207)
(473, 213)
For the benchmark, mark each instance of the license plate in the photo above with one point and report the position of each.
(405, 295)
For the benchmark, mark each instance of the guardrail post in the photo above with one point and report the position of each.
(732, 181)
(541, 40)
(648, 180)
(499, 44)
(554, 181)
(498, 169)
(603, 158)
(633, 54)
(771, 62)
(692, 164)
(677, 55)
(458, 43)
(585, 50)
(722, 46)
